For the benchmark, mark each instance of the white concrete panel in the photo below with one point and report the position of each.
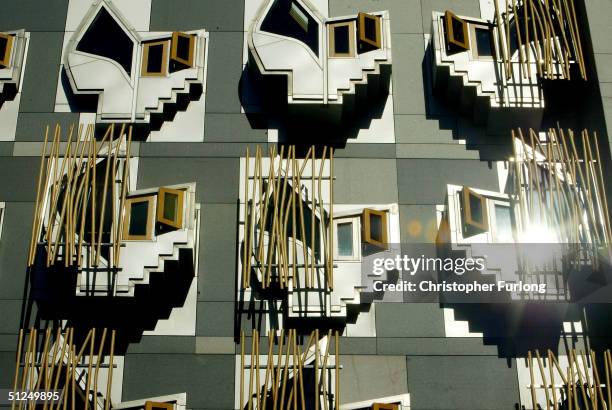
(8, 118)
(187, 126)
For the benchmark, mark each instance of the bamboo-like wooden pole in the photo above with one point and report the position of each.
(330, 241)
(313, 210)
(552, 381)
(97, 369)
(34, 240)
(316, 370)
(65, 344)
(278, 369)
(337, 359)
(532, 380)
(295, 371)
(246, 252)
(43, 362)
(303, 224)
(17, 364)
(109, 378)
(241, 401)
(89, 366)
(544, 383)
(269, 368)
(250, 406)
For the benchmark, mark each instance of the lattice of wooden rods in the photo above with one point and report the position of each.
(275, 198)
(51, 360)
(545, 29)
(559, 181)
(66, 185)
(575, 385)
(282, 386)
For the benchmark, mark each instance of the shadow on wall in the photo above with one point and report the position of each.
(49, 297)
(264, 99)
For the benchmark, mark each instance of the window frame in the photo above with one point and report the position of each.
(385, 406)
(366, 231)
(152, 405)
(144, 72)
(356, 222)
(449, 17)
(127, 216)
(2, 213)
(492, 203)
(331, 33)
(470, 225)
(295, 12)
(178, 223)
(5, 60)
(361, 17)
(475, 54)
(174, 48)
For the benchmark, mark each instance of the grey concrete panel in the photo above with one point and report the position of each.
(42, 69)
(435, 346)
(224, 72)
(33, 127)
(352, 175)
(213, 15)
(232, 128)
(14, 246)
(163, 344)
(215, 319)
(418, 223)
(423, 181)
(206, 172)
(462, 383)
(405, 15)
(357, 345)
(408, 94)
(34, 15)
(212, 149)
(208, 380)
(417, 129)
(368, 377)
(461, 7)
(19, 179)
(409, 320)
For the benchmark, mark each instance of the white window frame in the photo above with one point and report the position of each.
(491, 203)
(356, 221)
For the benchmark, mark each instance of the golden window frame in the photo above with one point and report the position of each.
(145, 59)
(5, 59)
(178, 222)
(332, 37)
(152, 405)
(449, 17)
(127, 215)
(361, 18)
(385, 406)
(366, 235)
(468, 219)
(174, 49)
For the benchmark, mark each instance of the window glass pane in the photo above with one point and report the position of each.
(370, 28)
(170, 206)
(503, 224)
(476, 209)
(155, 57)
(182, 47)
(341, 39)
(139, 215)
(376, 227)
(345, 239)
(106, 38)
(458, 33)
(288, 18)
(483, 42)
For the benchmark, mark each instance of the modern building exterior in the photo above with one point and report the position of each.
(211, 204)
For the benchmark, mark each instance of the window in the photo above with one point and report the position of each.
(138, 218)
(106, 38)
(183, 47)
(170, 207)
(375, 227)
(502, 232)
(153, 405)
(384, 406)
(369, 30)
(1, 217)
(288, 18)
(6, 45)
(346, 239)
(483, 40)
(456, 32)
(475, 216)
(155, 59)
(342, 39)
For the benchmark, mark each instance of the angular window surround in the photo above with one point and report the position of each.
(175, 52)
(331, 30)
(452, 23)
(146, 62)
(473, 30)
(364, 27)
(6, 51)
(385, 406)
(129, 202)
(379, 239)
(472, 223)
(164, 194)
(135, 96)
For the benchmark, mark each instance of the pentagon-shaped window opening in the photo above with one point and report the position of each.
(288, 18)
(106, 38)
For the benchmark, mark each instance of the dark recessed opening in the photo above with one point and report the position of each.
(183, 47)
(139, 215)
(376, 227)
(106, 38)
(484, 42)
(458, 33)
(155, 58)
(3, 46)
(288, 18)
(476, 209)
(370, 29)
(341, 40)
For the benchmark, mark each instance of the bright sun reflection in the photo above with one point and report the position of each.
(538, 234)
